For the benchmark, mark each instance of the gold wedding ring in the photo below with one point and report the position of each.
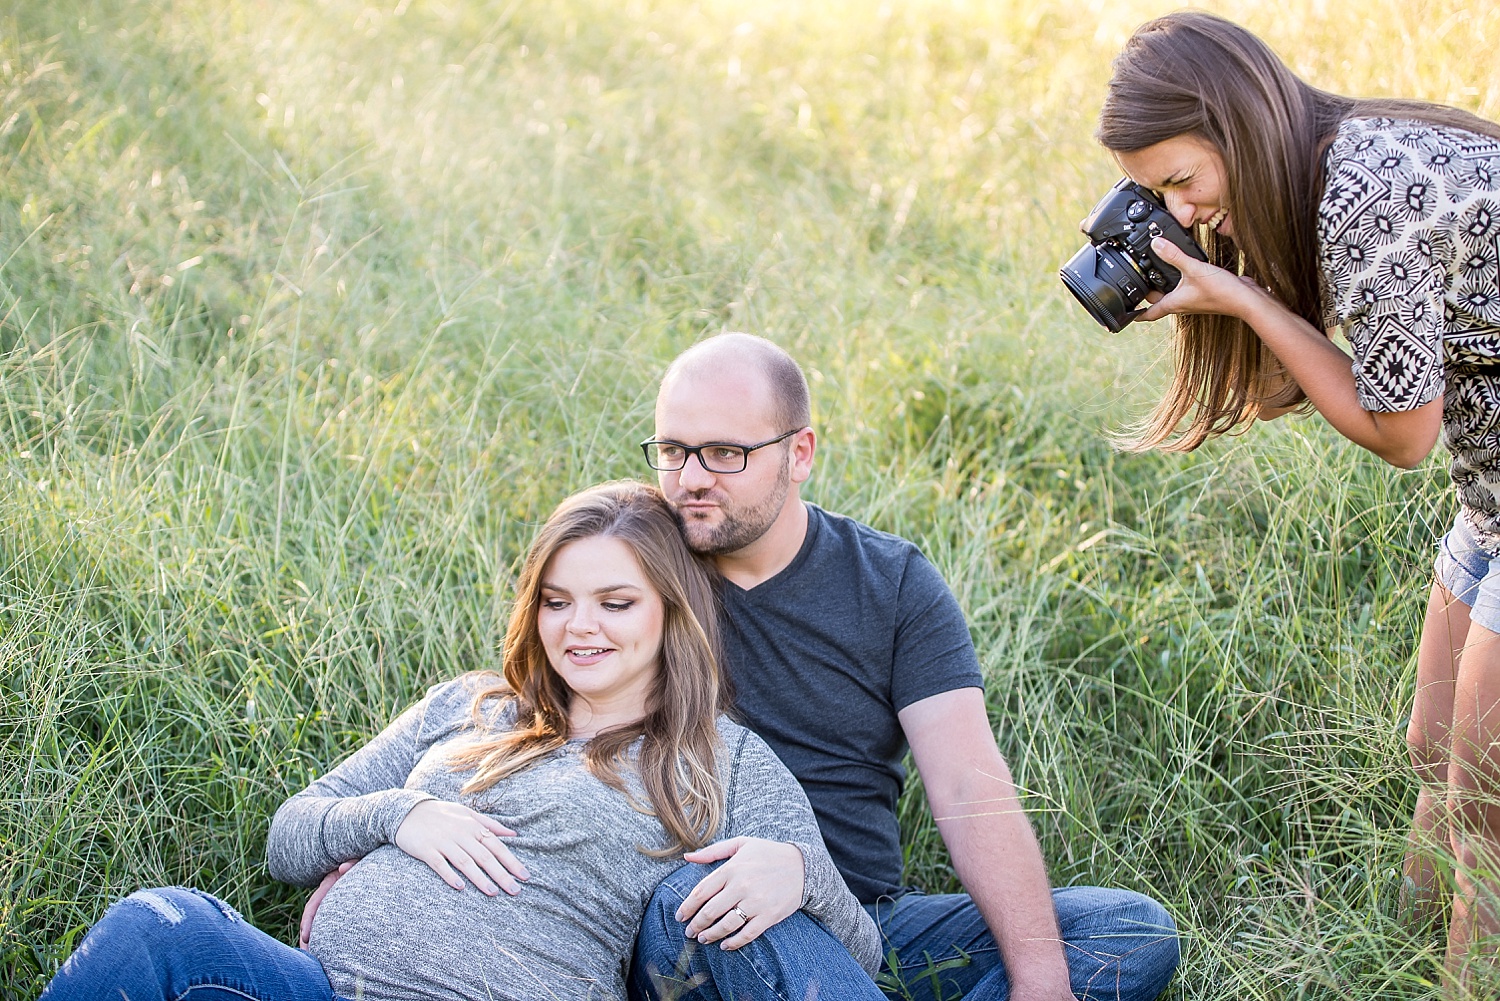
(744, 918)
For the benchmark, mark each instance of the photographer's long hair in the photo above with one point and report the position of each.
(1196, 74)
(679, 755)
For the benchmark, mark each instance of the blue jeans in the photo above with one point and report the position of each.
(1472, 574)
(1119, 945)
(793, 960)
(174, 943)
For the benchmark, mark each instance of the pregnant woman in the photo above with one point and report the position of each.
(510, 828)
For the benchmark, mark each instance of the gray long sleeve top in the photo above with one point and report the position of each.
(392, 930)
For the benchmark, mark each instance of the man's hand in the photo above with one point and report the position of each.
(304, 933)
(449, 836)
(759, 885)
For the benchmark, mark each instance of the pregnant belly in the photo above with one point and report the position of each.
(391, 930)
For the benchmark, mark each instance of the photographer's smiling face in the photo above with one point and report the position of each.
(1188, 172)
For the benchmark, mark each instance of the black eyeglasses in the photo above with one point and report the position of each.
(714, 456)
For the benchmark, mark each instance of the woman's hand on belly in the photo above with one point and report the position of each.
(310, 909)
(448, 837)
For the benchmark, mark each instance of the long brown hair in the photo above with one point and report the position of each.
(680, 744)
(1189, 73)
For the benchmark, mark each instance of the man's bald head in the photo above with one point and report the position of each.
(739, 354)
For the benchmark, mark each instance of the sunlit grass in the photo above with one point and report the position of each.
(309, 312)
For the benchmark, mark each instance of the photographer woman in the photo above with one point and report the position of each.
(563, 791)
(1380, 217)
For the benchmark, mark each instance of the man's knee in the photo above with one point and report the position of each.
(661, 911)
(1129, 950)
(1136, 910)
(1159, 948)
(662, 950)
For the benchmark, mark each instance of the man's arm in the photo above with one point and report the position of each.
(988, 836)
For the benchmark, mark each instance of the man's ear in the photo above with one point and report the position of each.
(804, 447)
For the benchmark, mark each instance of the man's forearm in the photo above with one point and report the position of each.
(994, 850)
(996, 856)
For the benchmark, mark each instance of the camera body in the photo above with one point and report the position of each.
(1111, 275)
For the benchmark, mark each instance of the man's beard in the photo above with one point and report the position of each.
(736, 531)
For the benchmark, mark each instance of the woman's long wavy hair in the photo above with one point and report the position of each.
(1194, 74)
(680, 745)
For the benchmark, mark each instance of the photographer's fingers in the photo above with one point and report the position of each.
(1188, 266)
(1170, 252)
(1202, 288)
(1143, 313)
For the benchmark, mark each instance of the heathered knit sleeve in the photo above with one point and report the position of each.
(358, 806)
(765, 801)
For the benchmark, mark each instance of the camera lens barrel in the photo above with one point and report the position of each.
(1106, 283)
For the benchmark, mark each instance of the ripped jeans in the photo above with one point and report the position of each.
(173, 943)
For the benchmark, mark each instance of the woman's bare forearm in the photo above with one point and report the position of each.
(1308, 357)
(1323, 371)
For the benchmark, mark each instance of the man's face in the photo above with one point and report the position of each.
(723, 512)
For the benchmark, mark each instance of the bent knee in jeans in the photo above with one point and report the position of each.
(682, 880)
(171, 942)
(661, 912)
(173, 904)
(793, 960)
(159, 914)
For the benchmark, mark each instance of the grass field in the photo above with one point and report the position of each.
(310, 310)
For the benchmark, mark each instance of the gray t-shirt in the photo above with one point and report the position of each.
(823, 655)
(391, 929)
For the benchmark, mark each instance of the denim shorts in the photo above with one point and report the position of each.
(1471, 573)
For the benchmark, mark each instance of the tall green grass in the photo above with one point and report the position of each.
(310, 311)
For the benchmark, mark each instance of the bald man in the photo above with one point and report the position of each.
(846, 647)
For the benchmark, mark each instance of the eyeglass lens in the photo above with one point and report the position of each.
(715, 458)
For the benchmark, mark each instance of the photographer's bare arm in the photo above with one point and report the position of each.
(993, 847)
(1309, 356)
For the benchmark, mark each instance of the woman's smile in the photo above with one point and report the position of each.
(600, 622)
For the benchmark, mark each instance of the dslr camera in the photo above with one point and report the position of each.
(1113, 272)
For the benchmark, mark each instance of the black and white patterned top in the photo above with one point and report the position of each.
(1409, 234)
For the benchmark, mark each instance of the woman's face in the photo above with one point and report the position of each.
(1189, 174)
(601, 624)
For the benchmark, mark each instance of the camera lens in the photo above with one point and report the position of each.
(1106, 283)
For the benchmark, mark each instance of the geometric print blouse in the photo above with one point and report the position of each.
(1409, 251)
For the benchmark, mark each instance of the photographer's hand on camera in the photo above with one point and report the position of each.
(1307, 355)
(1206, 288)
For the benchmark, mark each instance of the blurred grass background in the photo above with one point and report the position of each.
(310, 311)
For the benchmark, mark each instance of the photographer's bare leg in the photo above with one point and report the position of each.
(1444, 631)
(1474, 809)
